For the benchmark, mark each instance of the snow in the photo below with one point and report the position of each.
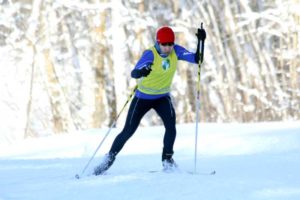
(252, 161)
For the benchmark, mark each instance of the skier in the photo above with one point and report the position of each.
(156, 67)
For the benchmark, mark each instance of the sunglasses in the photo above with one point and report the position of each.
(167, 44)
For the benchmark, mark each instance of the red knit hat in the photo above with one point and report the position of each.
(165, 34)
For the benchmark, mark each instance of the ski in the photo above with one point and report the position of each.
(176, 171)
(208, 173)
(203, 173)
(77, 176)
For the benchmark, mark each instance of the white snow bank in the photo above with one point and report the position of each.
(213, 140)
(252, 161)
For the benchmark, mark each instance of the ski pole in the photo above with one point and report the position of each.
(107, 133)
(201, 49)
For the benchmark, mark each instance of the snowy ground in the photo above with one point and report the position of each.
(252, 161)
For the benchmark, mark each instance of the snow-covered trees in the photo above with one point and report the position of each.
(66, 64)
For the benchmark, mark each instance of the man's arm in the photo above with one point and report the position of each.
(186, 55)
(143, 66)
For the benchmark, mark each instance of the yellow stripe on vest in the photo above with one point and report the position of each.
(162, 74)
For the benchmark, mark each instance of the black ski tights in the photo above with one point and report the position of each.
(138, 108)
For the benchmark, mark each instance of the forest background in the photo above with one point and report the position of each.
(65, 65)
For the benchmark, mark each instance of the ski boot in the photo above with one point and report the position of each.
(105, 165)
(168, 162)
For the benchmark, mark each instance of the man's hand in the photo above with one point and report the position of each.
(145, 71)
(138, 73)
(201, 34)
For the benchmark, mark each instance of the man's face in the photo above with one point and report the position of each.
(166, 48)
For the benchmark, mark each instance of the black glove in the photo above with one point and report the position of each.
(201, 34)
(138, 73)
(145, 71)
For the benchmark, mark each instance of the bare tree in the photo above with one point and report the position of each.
(78, 57)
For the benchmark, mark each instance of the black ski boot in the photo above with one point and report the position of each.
(107, 162)
(168, 162)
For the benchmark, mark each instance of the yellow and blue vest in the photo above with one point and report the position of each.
(160, 79)
(158, 83)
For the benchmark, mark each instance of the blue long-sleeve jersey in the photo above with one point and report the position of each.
(148, 57)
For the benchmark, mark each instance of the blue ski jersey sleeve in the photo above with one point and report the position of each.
(145, 60)
(184, 54)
